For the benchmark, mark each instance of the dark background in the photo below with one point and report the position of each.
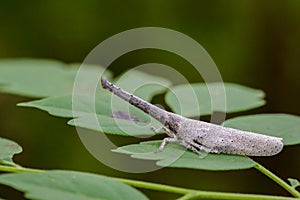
(253, 42)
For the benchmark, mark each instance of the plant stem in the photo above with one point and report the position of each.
(5, 168)
(231, 196)
(188, 194)
(193, 194)
(276, 179)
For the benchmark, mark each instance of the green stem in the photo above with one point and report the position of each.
(188, 193)
(276, 179)
(188, 196)
(231, 196)
(6, 168)
(193, 194)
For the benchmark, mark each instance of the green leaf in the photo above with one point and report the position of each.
(103, 120)
(69, 185)
(177, 156)
(62, 105)
(43, 78)
(114, 115)
(192, 100)
(279, 125)
(7, 149)
(294, 182)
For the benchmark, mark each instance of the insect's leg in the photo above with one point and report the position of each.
(201, 147)
(196, 147)
(191, 147)
(172, 138)
(157, 130)
(164, 142)
(168, 132)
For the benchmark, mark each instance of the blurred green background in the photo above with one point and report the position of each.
(253, 42)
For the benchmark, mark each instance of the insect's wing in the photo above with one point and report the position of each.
(232, 141)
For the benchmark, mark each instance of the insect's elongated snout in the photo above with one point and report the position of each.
(104, 82)
(143, 105)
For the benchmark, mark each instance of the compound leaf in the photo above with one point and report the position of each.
(69, 185)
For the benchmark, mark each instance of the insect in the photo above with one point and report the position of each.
(202, 136)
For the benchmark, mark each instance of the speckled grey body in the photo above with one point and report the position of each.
(202, 136)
